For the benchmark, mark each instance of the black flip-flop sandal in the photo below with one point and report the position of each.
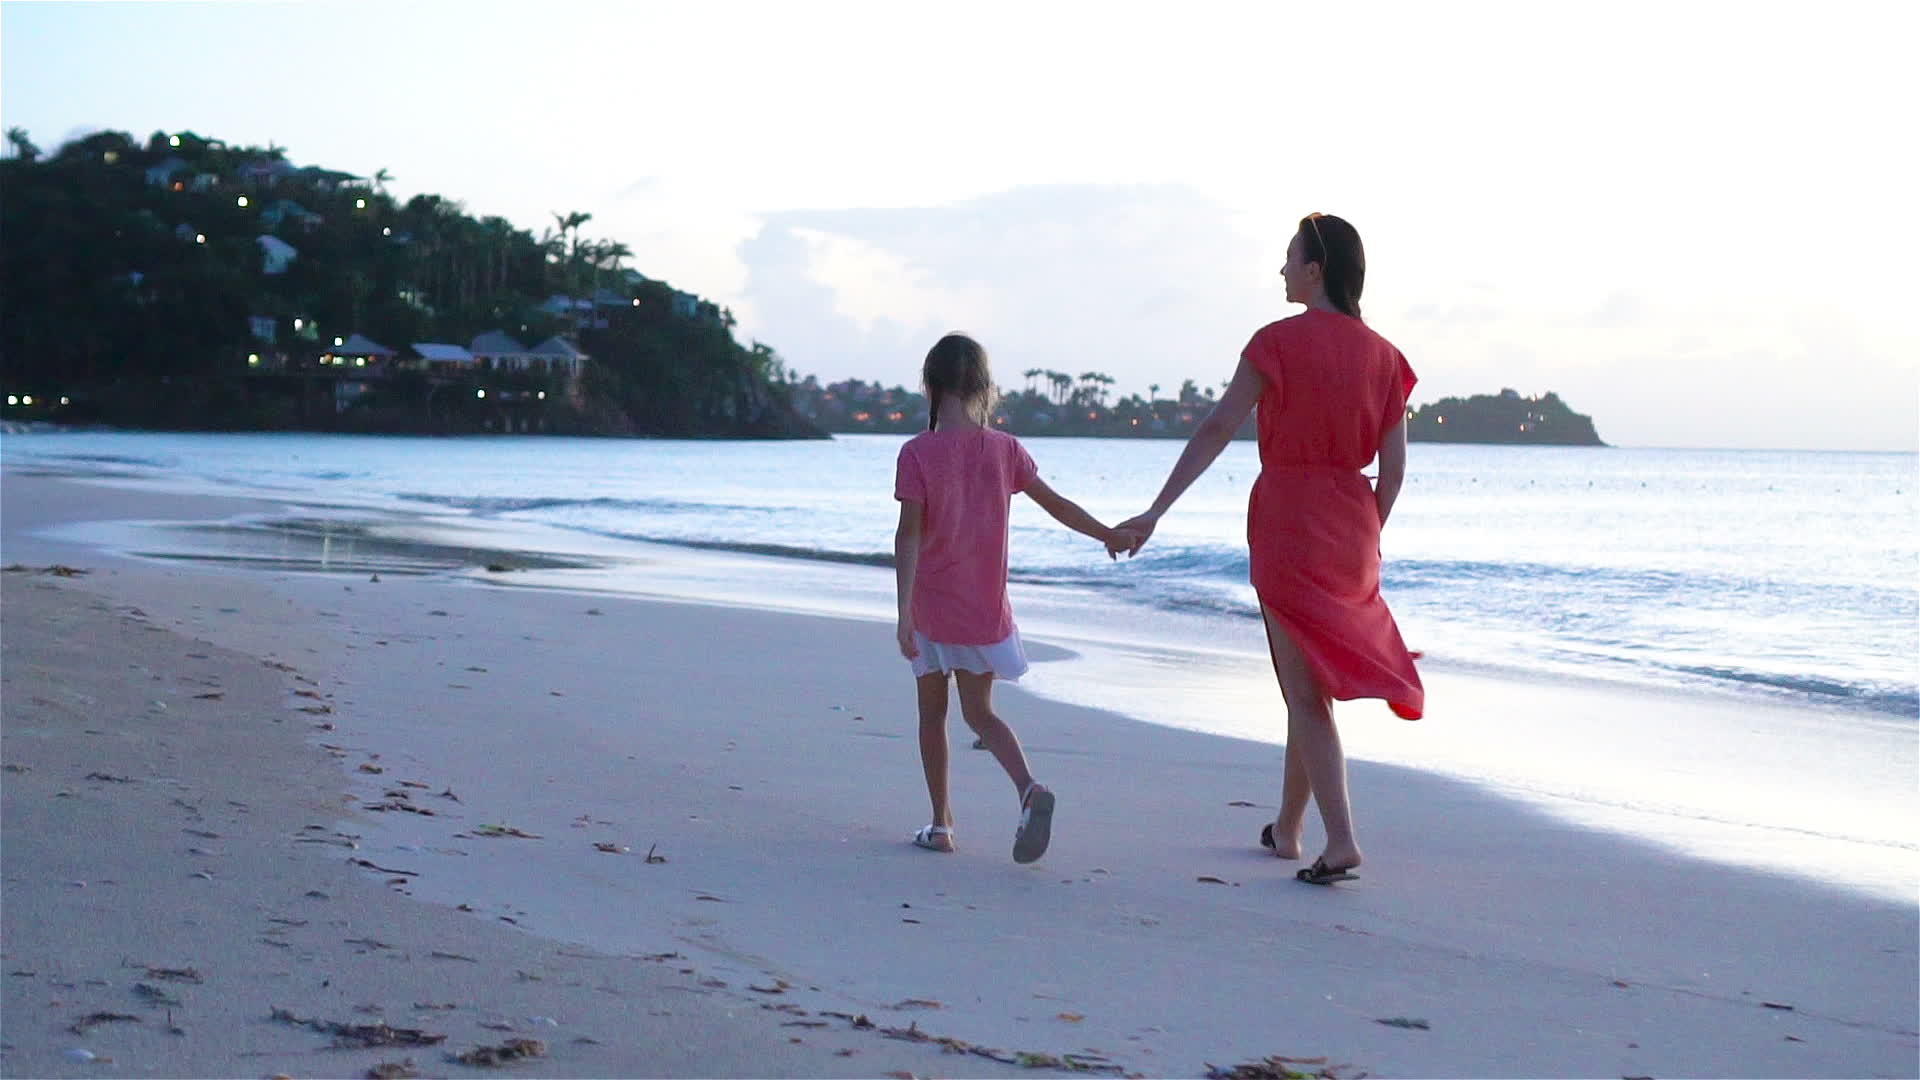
(1266, 837)
(1322, 874)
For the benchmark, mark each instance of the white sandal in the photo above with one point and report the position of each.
(934, 838)
(1036, 824)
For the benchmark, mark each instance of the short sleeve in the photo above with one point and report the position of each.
(1264, 358)
(1402, 389)
(1022, 471)
(909, 485)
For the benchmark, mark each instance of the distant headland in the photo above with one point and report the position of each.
(1505, 417)
(1055, 403)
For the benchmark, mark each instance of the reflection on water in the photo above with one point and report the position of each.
(317, 544)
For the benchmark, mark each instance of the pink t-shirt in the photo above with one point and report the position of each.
(964, 480)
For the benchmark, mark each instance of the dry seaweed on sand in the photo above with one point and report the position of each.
(505, 1053)
(360, 1035)
(503, 830)
(154, 994)
(393, 1070)
(369, 864)
(1026, 1059)
(175, 974)
(80, 1026)
(1280, 1068)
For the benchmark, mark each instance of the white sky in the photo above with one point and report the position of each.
(1691, 220)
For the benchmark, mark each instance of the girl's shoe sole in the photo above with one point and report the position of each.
(1036, 828)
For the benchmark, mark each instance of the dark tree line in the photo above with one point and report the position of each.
(128, 265)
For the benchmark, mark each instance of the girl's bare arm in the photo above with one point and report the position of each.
(1068, 513)
(906, 560)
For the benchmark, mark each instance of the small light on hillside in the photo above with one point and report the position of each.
(253, 359)
(27, 399)
(64, 400)
(542, 395)
(359, 361)
(386, 230)
(636, 301)
(173, 140)
(338, 341)
(13, 399)
(110, 156)
(479, 393)
(359, 204)
(297, 324)
(200, 238)
(241, 201)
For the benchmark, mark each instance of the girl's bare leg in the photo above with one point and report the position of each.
(933, 743)
(976, 706)
(1315, 742)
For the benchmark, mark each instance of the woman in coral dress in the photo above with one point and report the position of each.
(1332, 396)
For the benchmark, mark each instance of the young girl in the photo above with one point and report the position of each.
(954, 482)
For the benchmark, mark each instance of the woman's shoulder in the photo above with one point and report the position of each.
(1282, 331)
(1314, 324)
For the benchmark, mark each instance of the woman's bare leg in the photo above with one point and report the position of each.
(1313, 739)
(976, 706)
(933, 743)
(1296, 791)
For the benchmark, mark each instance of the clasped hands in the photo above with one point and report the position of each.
(1131, 535)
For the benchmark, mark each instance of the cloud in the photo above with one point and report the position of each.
(1147, 283)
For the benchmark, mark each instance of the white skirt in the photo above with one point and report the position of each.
(1004, 659)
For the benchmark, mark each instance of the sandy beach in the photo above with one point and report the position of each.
(238, 799)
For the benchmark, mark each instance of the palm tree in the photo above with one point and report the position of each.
(614, 251)
(1093, 387)
(1032, 373)
(1153, 391)
(23, 147)
(1062, 382)
(571, 222)
(380, 178)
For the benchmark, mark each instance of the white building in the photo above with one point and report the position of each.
(276, 254)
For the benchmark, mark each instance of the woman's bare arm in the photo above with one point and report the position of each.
(1393, 468)
(1211, 437)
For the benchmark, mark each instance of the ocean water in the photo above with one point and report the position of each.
(1654, 642)
(1789, 576)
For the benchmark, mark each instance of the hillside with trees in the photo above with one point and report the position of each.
(1055, 403)
(1505, 417)
(1051, 403)
(182, 282)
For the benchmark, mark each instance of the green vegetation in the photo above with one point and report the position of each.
(1055, 404)
(1505, 417)
(186, 283)
(1052, 403)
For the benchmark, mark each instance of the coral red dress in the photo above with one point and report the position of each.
(1332, 388)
